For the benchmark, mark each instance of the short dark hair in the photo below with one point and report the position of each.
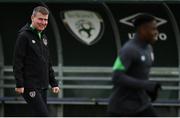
(41, 9)
(143, 18)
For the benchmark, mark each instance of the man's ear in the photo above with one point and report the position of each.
(32, 17)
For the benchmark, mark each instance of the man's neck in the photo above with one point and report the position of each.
(32, 27)
(38, 32)
(141, 40)
(35, 28)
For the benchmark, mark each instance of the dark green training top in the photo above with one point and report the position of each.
(130, 78)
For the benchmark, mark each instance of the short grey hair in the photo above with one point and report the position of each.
(41, 9)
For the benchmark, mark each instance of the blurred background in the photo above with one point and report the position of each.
(84, 39)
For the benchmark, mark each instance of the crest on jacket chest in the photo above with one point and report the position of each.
(45, 41)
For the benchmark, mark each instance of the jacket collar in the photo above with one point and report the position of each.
(27, 27)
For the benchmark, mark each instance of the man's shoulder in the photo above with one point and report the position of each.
(129, 46)
(24, 30)
(25, 35)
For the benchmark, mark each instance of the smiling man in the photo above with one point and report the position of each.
(32, 65)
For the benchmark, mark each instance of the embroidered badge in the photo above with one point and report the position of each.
(33, 41)
(152, 56)
(45, 41)
(143, 58)
(32, 94)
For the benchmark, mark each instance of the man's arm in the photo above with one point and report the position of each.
(18, 61)
(122, 79)
(52, 80)
(126, 58)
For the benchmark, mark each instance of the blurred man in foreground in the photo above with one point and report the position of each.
(133, 92)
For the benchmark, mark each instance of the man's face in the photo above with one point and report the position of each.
(150, 32)
(39, 21)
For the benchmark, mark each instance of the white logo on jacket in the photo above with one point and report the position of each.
(45, 41)
(32, 94)
(143, 58)
(33, 41)
(152, 56)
